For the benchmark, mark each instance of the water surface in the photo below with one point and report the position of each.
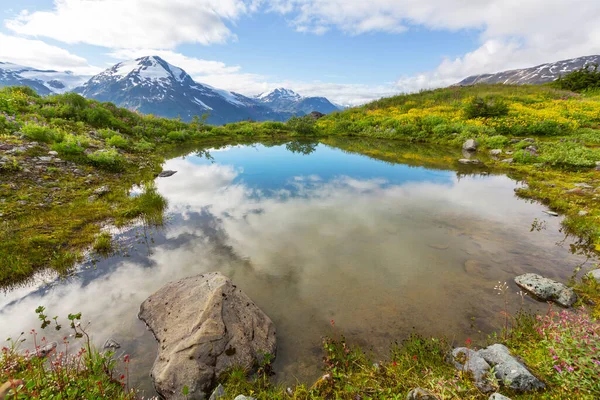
(314, 234)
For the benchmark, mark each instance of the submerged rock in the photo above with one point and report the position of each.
(469, 161)
(111, 344)
(420, 394)
(470, 145)
(204, 325)
(166, 174)
(547, 289)
(509, 371)
(468, 360)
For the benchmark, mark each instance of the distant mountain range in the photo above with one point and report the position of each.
(542, 73)
(153, 86)
(44, 82)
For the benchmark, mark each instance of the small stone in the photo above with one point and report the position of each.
(166, 174)
(507, 160)
(495, 152)
(45, 159)
(551, 213)
(470, 145)
(420, 394)
(102, 190)
(467, 161)
(53, 153)
(584, 186)
(218, 393)
(439, 246)
(498, 396)
(242, 397)
(530, 140)
(582, 213)
(595, 274)
(111, 344)
(546, 289)
(576, 190)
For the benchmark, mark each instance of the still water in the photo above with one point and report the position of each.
(314, 235)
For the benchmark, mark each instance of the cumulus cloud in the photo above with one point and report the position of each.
(513, 34)
(38, 54)
(134, 23)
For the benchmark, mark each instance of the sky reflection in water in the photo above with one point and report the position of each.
(381, 249)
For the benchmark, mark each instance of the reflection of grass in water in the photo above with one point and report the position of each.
(103, 244)
(150, 206)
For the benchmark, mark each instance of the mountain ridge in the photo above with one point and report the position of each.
(539, 74)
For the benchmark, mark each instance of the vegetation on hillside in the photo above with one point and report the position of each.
(586, 78)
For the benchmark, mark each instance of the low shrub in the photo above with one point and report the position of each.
(41, 133)
(177, 136)
(143, 146)
(109, 160)
(488, 107)
(569, 155)
(302, 125)
(495, 142)
(117, 141)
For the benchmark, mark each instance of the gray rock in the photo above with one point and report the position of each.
(470, 145)
(509, 371)
(530, 140)
(45, 159)
(111, 344)
(550, 213)
(204, 325)
(102, 190)
(53, 153)
(420, 394)
(495, 152)
(507, 161)
(582, 213)
(242, 397)
(498, 396)
(468, 360)
(597, 163)
(166, 174)
(595, 274)
(467, 161)
(547, 289)
(218, 393)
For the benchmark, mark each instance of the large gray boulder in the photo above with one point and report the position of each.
(470, 145)
(467, 360)
(204, 325)
(547, 289)
(509, 371)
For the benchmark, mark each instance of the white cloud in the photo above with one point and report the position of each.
(513, 33)
(134, 23)
(37, 54)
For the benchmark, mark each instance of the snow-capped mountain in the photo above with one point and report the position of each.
(153, 86)
(44, 82)
(286, 100)
(535, 75)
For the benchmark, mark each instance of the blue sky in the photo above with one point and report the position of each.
(351, 51)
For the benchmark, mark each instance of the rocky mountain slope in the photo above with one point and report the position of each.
(539, 74)
(152, 86)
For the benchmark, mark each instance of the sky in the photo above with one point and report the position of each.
(351, 51)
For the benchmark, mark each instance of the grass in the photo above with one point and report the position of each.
(103, 244)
